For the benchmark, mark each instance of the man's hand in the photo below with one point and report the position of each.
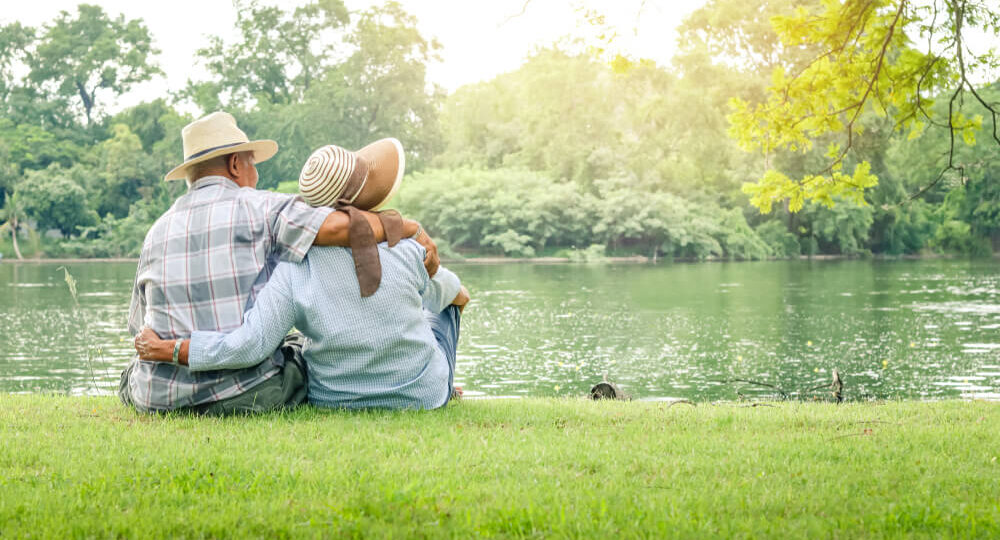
(431, 261)
(151, 347)
(462, 299)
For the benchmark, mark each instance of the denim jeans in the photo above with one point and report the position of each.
(445, 326)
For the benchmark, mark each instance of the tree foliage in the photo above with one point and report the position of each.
(76, 58)
(55, 201)
(579, 152)
(866, 61)
(14, 41)
(366, 81)
(277, 58)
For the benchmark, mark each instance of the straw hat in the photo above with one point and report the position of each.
(215, 135)
(365, 179)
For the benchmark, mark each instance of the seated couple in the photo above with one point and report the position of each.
(229, 271)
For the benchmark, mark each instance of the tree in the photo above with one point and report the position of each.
(14, 41)
(841, 228)
(655, 221)
(383, 85)
(126, 173)
(146, 120)
(866, 62)
(380, 91)
(14, 216)
(76, 58)
(739, 35)
(55, 201)
(279, 56)
(29, 146)
(519, 212)
(557, 113)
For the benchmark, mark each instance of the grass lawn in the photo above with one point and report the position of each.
(72, 466)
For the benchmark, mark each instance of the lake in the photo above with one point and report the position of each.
(893, 329)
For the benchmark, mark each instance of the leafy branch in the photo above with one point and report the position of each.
(861, 41)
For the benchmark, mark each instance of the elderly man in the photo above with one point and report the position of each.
(204, 261)
(391, 347)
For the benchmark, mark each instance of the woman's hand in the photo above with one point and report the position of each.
(151, 347)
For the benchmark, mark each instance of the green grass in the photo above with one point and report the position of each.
(74, 466)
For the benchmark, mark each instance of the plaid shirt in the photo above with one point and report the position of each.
(202, 264)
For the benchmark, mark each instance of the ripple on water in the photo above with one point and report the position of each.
(980, 308)
(989, 395)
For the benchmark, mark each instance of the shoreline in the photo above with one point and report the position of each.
(632, 259)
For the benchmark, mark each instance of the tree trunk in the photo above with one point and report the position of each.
(87, 98)
(13, 237)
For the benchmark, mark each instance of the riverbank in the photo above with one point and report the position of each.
(76, 466)
(634, 259)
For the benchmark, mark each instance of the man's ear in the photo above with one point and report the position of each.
(234, 165)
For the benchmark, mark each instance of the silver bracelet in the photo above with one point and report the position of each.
(177, 351)
(420, 229)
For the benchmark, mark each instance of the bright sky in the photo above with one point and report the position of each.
(480, 38)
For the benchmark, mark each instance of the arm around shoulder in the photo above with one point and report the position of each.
(264, 327)
(335, 230)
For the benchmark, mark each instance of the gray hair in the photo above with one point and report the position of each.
(213, 165)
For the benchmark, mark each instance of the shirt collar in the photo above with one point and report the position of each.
(207, 181)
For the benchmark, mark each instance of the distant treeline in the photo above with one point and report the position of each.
(570, 154)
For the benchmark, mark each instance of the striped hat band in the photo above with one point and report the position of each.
(332, 174)
(365, 179)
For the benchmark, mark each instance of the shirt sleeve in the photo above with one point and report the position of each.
(137, 306)
(439, 291)
(264, 326)
(292, 224)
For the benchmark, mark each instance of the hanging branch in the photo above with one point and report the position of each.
(524, 8)
(963, 83)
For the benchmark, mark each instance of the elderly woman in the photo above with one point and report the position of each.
(386, 340)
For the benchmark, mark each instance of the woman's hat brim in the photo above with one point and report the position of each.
(382, 151)
(263, 150)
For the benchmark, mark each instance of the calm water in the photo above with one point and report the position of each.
(913, 329)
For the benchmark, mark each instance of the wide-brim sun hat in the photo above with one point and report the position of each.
(365, 179)
(215, 135)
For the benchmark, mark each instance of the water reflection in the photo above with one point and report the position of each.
(916, 329)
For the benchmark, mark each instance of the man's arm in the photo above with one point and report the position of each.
(264, 326)
(296, 227)
(334, 232)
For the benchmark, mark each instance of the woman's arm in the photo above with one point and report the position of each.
(442, 290)
(264, 327)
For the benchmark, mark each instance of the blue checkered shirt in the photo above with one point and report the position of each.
(202, 264)
(372, 352)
